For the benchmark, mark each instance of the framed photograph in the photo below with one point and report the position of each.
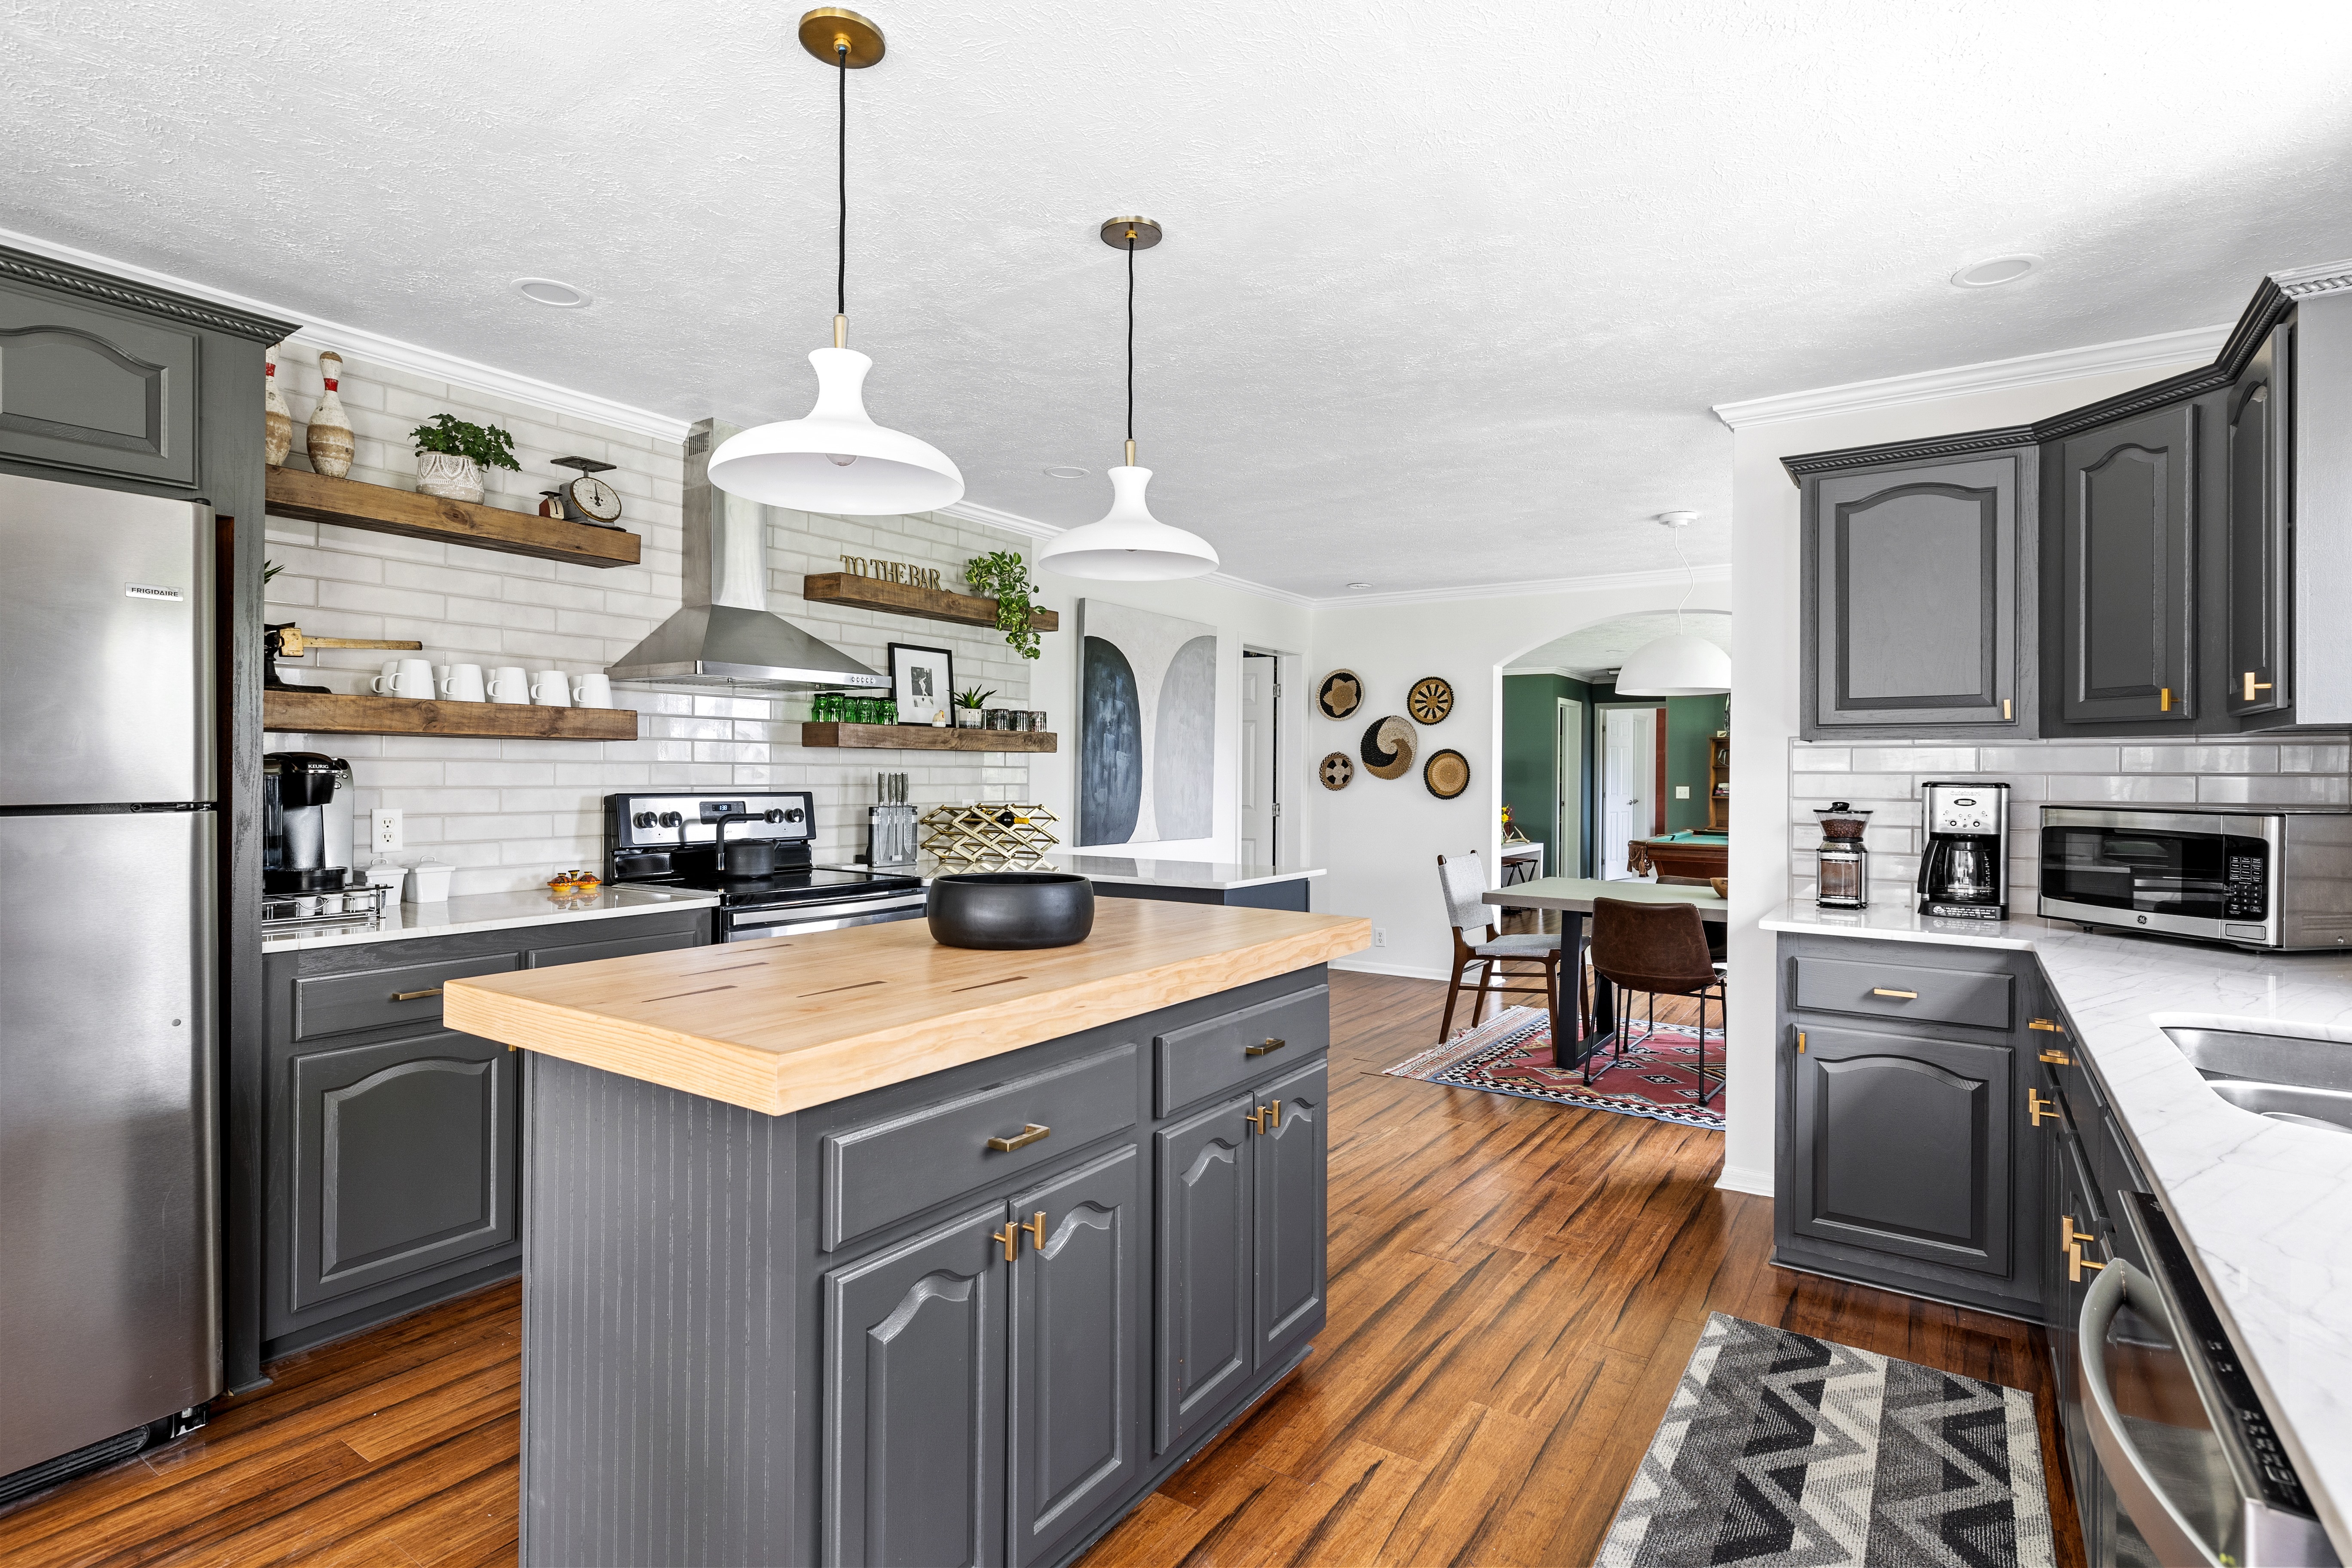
(922, 682)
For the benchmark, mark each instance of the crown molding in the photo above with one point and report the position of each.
(33, 266)
(2198, 345)
(358, 342)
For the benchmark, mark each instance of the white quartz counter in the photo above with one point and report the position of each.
(1216, 874)
(2264, 1206)
(488, 912)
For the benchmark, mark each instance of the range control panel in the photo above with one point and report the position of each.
(642, 822)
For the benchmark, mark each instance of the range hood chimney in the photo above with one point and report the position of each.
(726, 635)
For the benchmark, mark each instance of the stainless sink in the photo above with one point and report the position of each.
(2287, 1077)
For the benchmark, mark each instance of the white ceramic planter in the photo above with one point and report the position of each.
(968, 718)
(446, 475)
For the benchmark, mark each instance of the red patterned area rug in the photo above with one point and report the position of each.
(1658, 1078)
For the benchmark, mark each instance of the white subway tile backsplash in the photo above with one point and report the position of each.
(2105, 787)
(2314, 789)
(2214, 759)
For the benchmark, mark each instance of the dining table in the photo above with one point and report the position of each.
(1571, 898)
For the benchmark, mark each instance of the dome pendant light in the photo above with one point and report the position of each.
(1681, 665)
(1128, 544)
(837, 460)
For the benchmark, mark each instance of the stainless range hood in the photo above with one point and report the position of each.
(726, 635)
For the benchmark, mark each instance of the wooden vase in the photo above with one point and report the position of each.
(329, 436)
(277, 419)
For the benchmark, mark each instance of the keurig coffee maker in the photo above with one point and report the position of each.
(305, 822)
(1964, 873)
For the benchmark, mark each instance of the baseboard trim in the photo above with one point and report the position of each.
(1401, 971)
(1753, 1179)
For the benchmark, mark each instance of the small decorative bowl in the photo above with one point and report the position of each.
(1011, 910)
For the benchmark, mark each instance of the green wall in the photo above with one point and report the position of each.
(1528, 703)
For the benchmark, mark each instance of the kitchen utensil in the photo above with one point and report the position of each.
(464, 684)
(592, 691)
(427, 883)
(1011, 910)
(551, 689)
(510, 684)
(415, 678)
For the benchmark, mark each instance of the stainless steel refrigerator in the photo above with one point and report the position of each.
(108, 833)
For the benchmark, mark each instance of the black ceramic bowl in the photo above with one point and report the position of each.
(1011, 908)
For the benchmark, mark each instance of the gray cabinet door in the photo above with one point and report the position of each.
(1901, 1145)
(2257, 588)
(1204, 1168)
(405, 1160)
(1289, 1150)
(85, 386)
(2126, 577)
(913, 1441)
(1911, 590)
(1076, 1379)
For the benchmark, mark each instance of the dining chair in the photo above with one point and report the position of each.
(1463, 881)
(1660, 950)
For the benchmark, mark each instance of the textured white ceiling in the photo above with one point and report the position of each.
(1593, 652)
(1446, 296)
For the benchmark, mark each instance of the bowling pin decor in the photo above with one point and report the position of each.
(277, 419)
(330, 437)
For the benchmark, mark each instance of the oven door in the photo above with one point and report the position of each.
(2185, 873)
(798, 920)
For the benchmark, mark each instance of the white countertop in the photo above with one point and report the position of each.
(488, 912)
(2265, 1206)
(1213, 874)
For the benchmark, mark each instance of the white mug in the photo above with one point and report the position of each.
(550, 689)
(510, 684)
(382, 685)
(415, 678)
(463, 683)
(592, 691)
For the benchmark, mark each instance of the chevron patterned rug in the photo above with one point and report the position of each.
(1782, 1449)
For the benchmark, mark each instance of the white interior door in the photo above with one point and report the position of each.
(1568, 790)
(1629, 767)
(1259, 800)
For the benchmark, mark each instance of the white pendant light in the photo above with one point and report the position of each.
(1128, 544)
(837, 460)
(1681, 665)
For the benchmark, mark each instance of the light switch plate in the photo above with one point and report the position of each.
(1682, 792)
(384, 831)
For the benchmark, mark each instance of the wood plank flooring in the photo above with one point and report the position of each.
(1515, 1289)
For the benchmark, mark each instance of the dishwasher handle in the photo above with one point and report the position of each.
(2172, 1537)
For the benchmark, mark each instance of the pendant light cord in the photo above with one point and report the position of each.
(840, 227)
(1130, 335)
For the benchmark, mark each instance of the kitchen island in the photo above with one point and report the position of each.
(1193, 881)
(849, 1247)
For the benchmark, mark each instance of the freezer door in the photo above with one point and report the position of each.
(108, 1293)
(105, 646)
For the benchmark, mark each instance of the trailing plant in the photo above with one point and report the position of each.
(488, 446)
(269, 569)
(972, 696)
(1004, 577)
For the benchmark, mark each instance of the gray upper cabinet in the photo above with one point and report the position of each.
(2255, 594)
(2125, 577)
(84, 385)
(1912, 584)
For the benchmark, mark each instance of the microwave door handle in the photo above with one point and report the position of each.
(2172, 1537)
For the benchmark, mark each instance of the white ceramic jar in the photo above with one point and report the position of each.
(428, 883)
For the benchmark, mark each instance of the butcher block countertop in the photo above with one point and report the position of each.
(789, 1022)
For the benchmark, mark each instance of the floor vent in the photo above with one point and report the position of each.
(49, 1472)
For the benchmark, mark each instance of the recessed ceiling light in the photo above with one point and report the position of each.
(1359, 586)
(1065, 472)
(1993, 272)
(548, 291)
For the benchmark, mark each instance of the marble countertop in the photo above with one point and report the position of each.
(486, 911)
(1216, 874)
(2264, 1206)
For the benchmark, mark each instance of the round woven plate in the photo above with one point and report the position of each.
(1431, 700)
(1388, 747)
(1339, 693)
(1447, 774)
(1339, 771)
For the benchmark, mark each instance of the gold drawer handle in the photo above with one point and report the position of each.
(1037, 1229)
(2253, 686)
(2071, 1243)
(2039, 1108)
(2058, 1059)
(1010, 1236)
(1271, 1044)
(414, 996)
(1021, 1140)
(2045, 1026)
(1898, 995)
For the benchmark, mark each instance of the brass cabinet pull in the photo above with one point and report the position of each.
(1256, 1119)
(1800, 1042)
(1010, 1236)
(2039, 1108)
(2058, 1059)
(1037, 1229)
(2045, 1026)
(2071, 1248)
(2164, 700)
(1029, 1134)
(1274, 1113)
(2253, 686)
(1898, 995)
(1271, 1044)
(414, 996)
(2007, 713)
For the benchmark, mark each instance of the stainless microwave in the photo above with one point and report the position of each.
(2246, 875)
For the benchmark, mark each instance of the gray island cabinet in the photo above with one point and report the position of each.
(844, 1310)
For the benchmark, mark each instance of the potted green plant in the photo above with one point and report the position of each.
(452, 453)
(1004, 577)
(968, 705)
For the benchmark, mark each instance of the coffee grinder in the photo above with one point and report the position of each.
(1964, 870)
(305, 822)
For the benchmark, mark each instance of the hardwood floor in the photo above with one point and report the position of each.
(1515, 1288)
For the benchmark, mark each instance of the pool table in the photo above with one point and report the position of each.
(1690, 856)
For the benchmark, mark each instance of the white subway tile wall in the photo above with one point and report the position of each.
(1885, 777)
(510, 814)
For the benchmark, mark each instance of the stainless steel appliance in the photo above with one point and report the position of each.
(773, 888)
(1841, 872)
(108, 1287)
(1964, 871)
(2246, 875)
(305, 822)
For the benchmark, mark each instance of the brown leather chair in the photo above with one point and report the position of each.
(1660, 950)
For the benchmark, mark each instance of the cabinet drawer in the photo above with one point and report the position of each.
(1980, 999)
(889, 1169)
(337, 1003)
(618, 947)
(1200, 1059)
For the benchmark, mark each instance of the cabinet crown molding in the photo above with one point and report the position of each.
(64, 275)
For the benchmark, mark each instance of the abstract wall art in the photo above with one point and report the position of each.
(1147, 726)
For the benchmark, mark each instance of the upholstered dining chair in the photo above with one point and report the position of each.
(1463, 879)
(1660, 950)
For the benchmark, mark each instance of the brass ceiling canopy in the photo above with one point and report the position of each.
(824, 30)
(1115, 232)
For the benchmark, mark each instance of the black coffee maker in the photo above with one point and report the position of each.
(305, 822)
(1964, 872)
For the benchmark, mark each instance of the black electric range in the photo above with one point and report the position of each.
(671, 840)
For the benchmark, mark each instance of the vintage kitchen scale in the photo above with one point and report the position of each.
(587, 499)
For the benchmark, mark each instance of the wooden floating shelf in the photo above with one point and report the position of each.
(379, 509)
(905, 599)
(326, 714)
(927, 738)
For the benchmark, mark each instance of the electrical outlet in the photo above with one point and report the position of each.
(1380, 936)
(384, 831)
(1682, 792)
